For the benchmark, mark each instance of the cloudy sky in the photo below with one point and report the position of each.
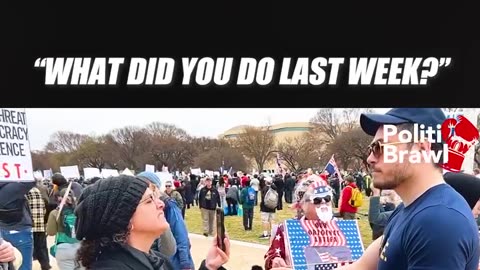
(198, 122)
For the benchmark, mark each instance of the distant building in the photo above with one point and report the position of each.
(281, 132)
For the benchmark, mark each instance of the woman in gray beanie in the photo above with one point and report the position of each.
(118, 219)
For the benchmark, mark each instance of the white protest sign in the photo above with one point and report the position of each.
(164, 169)
(149, 168)
(90, 173)
(38, 175)
(196, 171)
(216, 173)
(70, 171)
(209, 173)
(109, 172)
(127, 172)
(16, 159)
(47, 174)
(164, 176)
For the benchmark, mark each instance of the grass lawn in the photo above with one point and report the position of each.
(234, 225)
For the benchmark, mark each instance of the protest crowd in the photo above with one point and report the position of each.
(419, 216)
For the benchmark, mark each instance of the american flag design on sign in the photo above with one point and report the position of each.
(323, 234)
(297, 240)
(330, 266)
(327, 257)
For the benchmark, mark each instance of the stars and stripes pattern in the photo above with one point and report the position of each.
(319, 185)
(330, 266)
(298, 239)
(317, 239)
(332, 168)
(327, 257)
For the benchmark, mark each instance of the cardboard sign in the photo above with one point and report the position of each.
(149, 168)
(109, 172)
(15, 156)
(90, 173)
(209, 173)
(311, 244)
(70, 172)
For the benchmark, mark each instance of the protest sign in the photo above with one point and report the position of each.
(196, 171)
(90, 173)
(109, 172)
(312, 244)
(149, 168)
(38, 175)
(47, 174)
(16, 159)
(209, 173)
(70, 171)
(128, 172)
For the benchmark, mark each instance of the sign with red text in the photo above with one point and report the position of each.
(15, 156)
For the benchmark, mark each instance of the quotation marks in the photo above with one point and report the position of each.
(40, 62)
(434, 65)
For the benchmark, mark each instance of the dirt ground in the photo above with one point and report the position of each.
(243, 255)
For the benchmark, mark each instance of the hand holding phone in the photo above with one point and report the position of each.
(220, 218)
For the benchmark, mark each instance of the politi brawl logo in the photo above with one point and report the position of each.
(458, 135)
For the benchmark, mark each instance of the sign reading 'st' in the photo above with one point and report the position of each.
(15, 156)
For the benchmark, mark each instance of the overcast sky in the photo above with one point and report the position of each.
(198, 122)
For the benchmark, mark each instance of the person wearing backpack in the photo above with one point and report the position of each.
(66, 244)
(247, 199)
(268, 206)
(351, 199)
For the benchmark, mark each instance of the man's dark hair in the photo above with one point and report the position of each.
(58, 179)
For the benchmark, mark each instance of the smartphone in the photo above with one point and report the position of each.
(220, 217)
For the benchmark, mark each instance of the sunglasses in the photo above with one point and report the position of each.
(377, 148)
(318, 200)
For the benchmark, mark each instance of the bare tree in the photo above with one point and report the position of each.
(256, 143)
(163, 130)
(65, 141)
(350, 146)
(173, 153)
(93, 152)
(328, 125)
(215, 158)
(132, 144)
(299, 153)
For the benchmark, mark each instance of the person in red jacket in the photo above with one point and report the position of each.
(346, 210)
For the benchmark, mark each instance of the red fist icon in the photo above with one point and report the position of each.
(460, 136)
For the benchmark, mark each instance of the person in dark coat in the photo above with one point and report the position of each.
(194, 181)
(189, 194)
(289, 188)
(280, 184)
(118, 219)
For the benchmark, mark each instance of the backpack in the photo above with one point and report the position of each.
(271, 199)
(356, 200)
(251, 196)
(68, 235)
(69, 219)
